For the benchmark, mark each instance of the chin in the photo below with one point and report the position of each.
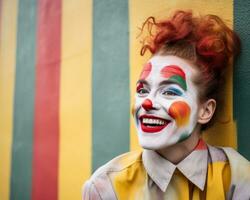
(156, 141)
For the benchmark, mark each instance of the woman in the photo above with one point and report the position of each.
(176, 98)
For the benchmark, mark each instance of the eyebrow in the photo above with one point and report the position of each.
(165, 82)
(142, 81)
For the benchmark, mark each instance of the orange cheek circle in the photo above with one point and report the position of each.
(180, 111)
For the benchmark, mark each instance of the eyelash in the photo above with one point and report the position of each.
(172, 92)
(142, 91)
(166, 92)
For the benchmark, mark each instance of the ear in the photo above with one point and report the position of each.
(206, 111)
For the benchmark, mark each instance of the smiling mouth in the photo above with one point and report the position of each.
(152, 124)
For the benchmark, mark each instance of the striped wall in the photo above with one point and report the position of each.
(241, 77)
(110, 82)
(67, 75)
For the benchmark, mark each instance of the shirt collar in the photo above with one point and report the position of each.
(193, 167)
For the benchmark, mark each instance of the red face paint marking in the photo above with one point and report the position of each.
(139, 86)
(172, 70)
(201, 145)
(147, 104)
(152, 129)
(146, 71)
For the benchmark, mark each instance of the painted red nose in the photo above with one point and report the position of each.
(147, 104)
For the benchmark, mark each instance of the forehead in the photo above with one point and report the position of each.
(161, 65)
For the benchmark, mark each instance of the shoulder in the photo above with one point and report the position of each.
(217, 154)
(240, 166)
(228, 154)
(235, 157)
(240, 174)
(99, 185)
(89, 191)
(118, 163)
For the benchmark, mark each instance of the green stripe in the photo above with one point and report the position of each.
(179, 80)
(242, 77)
(110, 82)
(24, 102)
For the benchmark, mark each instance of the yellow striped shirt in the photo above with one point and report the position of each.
(206, 173)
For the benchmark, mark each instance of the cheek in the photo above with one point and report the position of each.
(180, 111)
(137, 105)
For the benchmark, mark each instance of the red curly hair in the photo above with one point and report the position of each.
(206, 41)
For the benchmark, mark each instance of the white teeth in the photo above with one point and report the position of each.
(153, 121)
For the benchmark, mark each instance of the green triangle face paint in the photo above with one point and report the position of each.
(179, 80)
(183, 137)
(176, 74)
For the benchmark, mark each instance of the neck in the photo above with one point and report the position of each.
(179, 151)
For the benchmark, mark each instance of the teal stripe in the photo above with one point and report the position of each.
(242, 77)
(110, 82)
(24, 102)
(179, 80)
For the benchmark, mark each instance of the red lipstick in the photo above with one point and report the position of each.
(152, 124)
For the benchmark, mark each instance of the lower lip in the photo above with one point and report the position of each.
(152, 129)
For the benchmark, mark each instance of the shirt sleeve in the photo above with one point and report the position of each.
(90, 192)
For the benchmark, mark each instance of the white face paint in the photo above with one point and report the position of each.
(166, 102)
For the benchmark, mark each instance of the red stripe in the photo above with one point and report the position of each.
(146, 71)
(201, 145)
(172, 70)
(46, 122)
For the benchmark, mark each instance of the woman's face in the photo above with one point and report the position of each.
(166, 106)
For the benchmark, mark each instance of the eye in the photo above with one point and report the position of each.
(171, 92)
(142, 91)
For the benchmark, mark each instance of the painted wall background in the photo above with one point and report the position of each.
(67, 79)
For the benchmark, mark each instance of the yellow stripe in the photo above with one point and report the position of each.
(224, 134)
(218, 180)
(7, 77)
(75, 98)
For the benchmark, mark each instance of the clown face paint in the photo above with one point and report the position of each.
(166, 102)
